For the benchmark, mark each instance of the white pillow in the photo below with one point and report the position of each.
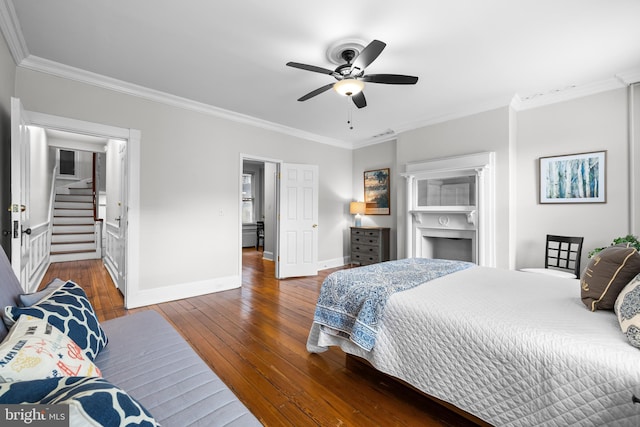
(550, 272)
(34, 350)
(627, 308)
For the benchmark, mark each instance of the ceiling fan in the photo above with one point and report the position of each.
(351, 77)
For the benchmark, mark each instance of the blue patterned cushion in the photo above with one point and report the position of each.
(627, 308)
(92, 401)
(69, 310)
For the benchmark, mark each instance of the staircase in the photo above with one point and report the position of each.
(73, 237)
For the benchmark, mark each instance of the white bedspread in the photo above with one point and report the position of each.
(512, 348)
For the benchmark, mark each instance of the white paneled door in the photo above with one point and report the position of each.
(20, 187)
(298, 223)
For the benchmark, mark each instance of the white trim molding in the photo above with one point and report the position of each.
(182, 290)
(541, 99)
(46, 66)
(10, 26)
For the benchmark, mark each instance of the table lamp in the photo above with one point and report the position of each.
(357, 209)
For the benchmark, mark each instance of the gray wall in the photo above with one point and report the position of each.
(519, 138)
(488, 131)
(592, 123)
(377, 156)
(190, 169)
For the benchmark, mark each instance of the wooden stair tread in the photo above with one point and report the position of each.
(78, 251)
(69, 233)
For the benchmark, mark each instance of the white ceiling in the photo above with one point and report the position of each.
(229, 57)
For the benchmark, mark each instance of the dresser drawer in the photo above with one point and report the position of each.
(364, 259)
(364, 232)
(364, 240)
(367, 250)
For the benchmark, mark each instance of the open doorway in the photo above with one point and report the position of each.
(89, 190)
(31, 250)
(290, 211)
(259, 209)
(83, 201)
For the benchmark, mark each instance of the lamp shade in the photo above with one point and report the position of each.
(357, 208)
(348, 87)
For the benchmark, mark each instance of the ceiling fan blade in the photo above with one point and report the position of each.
(311, 68)
(316, 92)
(368, 55)
(359, 100)
(391, 79)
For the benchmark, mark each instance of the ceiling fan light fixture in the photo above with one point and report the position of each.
(348, 87)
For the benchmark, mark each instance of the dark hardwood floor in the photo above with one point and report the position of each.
(254, 339)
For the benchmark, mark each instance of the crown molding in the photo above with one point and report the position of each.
(517, 102)
(12, 32)
(520, 103)
(10, 27)
(393, 134)
(42, 65)
(378, 139)
(629, 77)
(498, 102)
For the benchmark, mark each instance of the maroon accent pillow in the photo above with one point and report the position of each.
(607, 273)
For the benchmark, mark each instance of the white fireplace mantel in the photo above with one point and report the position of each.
(476, 221)
(445, 212)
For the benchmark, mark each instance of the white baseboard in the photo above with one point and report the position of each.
(193, 289)
(333, 263)
(182, 290)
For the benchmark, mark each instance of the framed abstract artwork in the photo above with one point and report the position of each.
(573, 178)
(377, 192)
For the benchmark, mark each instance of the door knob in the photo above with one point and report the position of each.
(6, 233)
(315, 225)
(16, 208)
(26, 231)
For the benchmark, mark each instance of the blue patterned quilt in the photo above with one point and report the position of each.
(351, 302)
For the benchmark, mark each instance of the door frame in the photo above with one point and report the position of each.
(132, 138)
(20, 189)
(276, 248)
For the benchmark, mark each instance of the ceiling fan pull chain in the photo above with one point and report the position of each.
(349, 113)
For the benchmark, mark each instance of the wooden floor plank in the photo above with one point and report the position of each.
(254, 338)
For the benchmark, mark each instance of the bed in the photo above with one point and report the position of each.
(508, 347)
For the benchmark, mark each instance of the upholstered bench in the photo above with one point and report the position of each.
(145, 359)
